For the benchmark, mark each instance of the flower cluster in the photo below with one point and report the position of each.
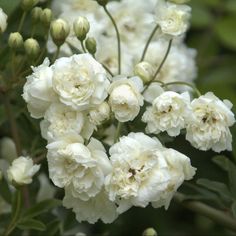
(81, 98)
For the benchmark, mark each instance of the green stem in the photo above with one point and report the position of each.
(148, 42)
(82, 45)
(21, 22)
(56, 54)
(216, 215)
(118, 131)
(183, 83)
(107, 69)
(118, 38)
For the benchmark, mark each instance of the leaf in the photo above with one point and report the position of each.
(225, 30)
(52, 228)
(42, 207)
(233, 208)
(9, 6)
(31, 224)
(217, 187)
(5, 191)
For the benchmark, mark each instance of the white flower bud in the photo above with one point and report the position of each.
(60, 30)
(145, 71)
(102, 2)
(22, 170)
(8, 149)
(15, 40)
(46, 16)
(36, 13)
(150, 232)
(3, 21)
(28, 4)
(91, 45)
(98, 115)
(32, 48)
(81, 27)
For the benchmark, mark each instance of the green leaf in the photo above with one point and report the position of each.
(217, 187)
(31, 224)
(9, 6)
(52, 228)
(41, 207)
(225, 30)
(233, 208)
(5, 191)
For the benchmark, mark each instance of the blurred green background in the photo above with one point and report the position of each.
(213, 34)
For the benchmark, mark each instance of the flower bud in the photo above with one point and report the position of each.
(91, 45)
(179, 1)
(28, 4)
(81, 27)
(15, 41)
(100, 114)
(36, 13)
(3, 21)
(7, 149)
(102, 2)
(150, 232)
(46, 17)
(32, 48)
(59, 31)
(145, 71)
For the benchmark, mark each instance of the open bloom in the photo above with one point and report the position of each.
(22, 171)
(80, 81)
(172, 18)
(209, 128)
(3, 21)
(126, 98)
(144, 171)
(38, 91)
(169, 112)
(79, 168)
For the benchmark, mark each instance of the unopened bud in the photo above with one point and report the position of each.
(28, 4)
(145, 71)
(59, 31)
(91, 45)
(100, 114)
(35, 14)
(150, 232)
(102, 2)
(32, 48)
(3, 21)
(179, 1)
(15, 41)
(81, 27)
(46, 17)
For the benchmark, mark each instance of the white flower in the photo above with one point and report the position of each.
(101, 113)
(210, 127)
(60, 120)
(172, 18)
(169, 112)
(22, 171)
(79, 168)
(80, 81)
(38, 91)
(98, 207)
(125, 98)
(3, 21)
(142, 172)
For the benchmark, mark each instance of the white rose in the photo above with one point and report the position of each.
(22, 171)
(209, 128)
(98, 115)
(3, 21)
(79, 168)
(38, 91)
(172, 18)
(98, 207)
(143, 173)
(80, 81)
(169, 112)
(126, 98)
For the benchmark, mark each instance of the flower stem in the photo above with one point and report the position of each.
(118, 131)
(21, 22)
(208, 211)
(148, 42)
(118, 38)
(56, 54)
(82, 45)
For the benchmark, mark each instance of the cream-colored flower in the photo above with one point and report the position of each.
(143, 171)
(22, 171)
(126, 98)
(8, 149)
(169, 112)
(79, 168)
(80, 81)
(209, 128)
(38, 91)
(173, 19)
(98, 207)
(3, 21)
